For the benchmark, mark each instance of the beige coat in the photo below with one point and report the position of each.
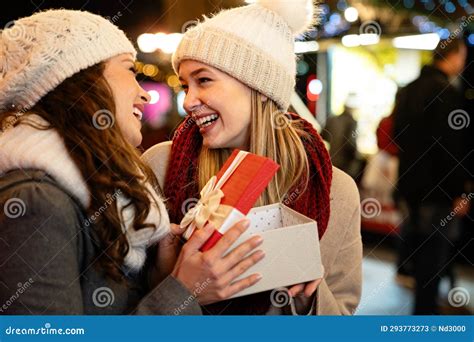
(341, 246)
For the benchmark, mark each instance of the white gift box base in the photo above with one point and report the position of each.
(291, 246)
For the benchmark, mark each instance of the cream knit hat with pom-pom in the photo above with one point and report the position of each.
(39, 52)
(254, 44)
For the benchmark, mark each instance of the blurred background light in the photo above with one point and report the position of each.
(154, 96)
(305, 47)
(160, 104)
(146, 42)
(315, 87)
(417, 42)
(351, 14)
(180, 103)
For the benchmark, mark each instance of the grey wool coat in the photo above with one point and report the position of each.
(49, 246)
(46, 257)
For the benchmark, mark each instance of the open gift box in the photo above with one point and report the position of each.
(290, 239)
(291, 246)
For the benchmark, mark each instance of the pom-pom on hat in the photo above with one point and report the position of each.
(39, 52)
(254, 44)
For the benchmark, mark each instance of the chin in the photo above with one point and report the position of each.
(209, 144)
(135, 141)
(213, 144)
(138, 142)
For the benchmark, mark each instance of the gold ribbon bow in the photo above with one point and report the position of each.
(207, 205)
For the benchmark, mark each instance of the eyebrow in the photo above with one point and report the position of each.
(195, 72)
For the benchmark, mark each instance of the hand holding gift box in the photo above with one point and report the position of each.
(290, 244)
(290, 239)
(230, 195)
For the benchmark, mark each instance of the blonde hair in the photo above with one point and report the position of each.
(272, 135)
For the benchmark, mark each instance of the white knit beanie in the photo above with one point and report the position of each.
(39, 52)
(254, 44)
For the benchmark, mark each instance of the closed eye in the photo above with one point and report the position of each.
(204, 80)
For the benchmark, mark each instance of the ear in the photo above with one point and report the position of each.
(263, 98)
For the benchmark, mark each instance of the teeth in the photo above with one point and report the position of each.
(206, 121)
(138, 112)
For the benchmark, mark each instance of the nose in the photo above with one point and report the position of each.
(191, 101)
(144, 96)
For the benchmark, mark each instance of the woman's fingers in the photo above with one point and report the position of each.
(242, 267)
(294, 290)
(242, 284)
(234, 257)
(228, 239)
(172, 238)
(308, 288)
(311, 287)
(199, 237)
(176, 229)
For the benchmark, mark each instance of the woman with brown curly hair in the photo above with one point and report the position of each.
(80, 208)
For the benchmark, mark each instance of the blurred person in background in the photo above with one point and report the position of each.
(380, 174)
(431, 174)
(341, 134)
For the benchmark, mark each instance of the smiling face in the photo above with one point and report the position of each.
(129, 97)
(219, 103)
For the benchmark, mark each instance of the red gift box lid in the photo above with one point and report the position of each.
(248, 181)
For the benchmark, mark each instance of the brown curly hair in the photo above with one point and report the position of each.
(108, 163)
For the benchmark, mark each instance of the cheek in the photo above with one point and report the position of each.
(237, 103)
(244, 111)
(124, 97)
(123, 87)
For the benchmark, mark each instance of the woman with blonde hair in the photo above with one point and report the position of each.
(79, 207)
(238, 71)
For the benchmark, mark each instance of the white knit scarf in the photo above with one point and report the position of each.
(25, 147)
